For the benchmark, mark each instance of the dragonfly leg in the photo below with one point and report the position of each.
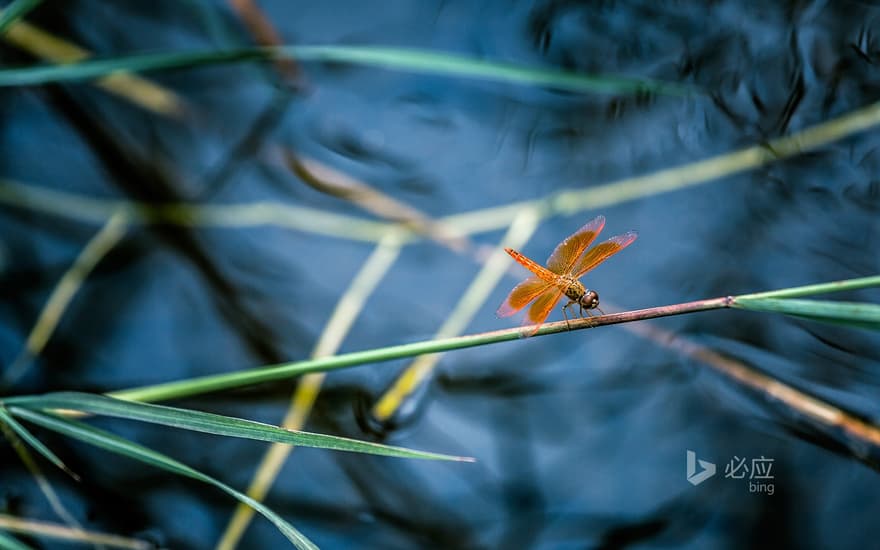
(589, 314)
(564, 313)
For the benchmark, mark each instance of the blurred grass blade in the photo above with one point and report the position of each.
(30, 463)
(69, 534)
(31, 440)
(247, 214)
(210, 423)
(439, 63)
(47, 46)
(400, 59)
(110, 442)
(8, 542)
(265, 34)
(15, 11)
(856, 314)
(328, 180)
(64, 292)
(343, 316)
(91, 69)
(469, 304)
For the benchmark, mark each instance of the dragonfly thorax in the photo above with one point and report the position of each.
(579, 294)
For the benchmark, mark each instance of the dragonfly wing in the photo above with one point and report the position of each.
(568, 251)
(541, 308)
(602, 252)
(521, 295)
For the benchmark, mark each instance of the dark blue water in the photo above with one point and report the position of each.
(580, 438)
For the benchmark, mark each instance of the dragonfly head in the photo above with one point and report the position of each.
(590, 299)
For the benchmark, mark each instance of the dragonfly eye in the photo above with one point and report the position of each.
(590, 299)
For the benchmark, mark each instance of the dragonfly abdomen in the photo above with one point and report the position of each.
(540, 271)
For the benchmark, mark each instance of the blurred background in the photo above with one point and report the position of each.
(223, 216)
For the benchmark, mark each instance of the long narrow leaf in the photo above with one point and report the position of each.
(31, 440)
(217, 382)
(400, 59)
(429, 62)
(108, 441)
(236, 379)
(8, 542)
(818, 288)
(69, 533)
(856, 314)
(15, 11)
(211, 423)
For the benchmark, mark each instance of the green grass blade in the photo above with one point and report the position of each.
(217, 382)
(8, 542)
(110, 442)
(438, 63)
(96, 68)
(69, 532)
(15, 11)
(819, 288)
(400, 59)
(31, 440)
(211, 423)
(856, 314)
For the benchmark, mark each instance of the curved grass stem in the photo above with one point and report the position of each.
(217, 382)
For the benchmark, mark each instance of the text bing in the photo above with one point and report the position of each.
(758, 487)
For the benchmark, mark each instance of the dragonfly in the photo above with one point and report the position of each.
(569, 262)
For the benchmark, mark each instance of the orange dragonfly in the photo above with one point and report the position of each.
(565, 266)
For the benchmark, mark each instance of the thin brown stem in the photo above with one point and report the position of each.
(636, 315)
(810, 407)
(265, 34)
